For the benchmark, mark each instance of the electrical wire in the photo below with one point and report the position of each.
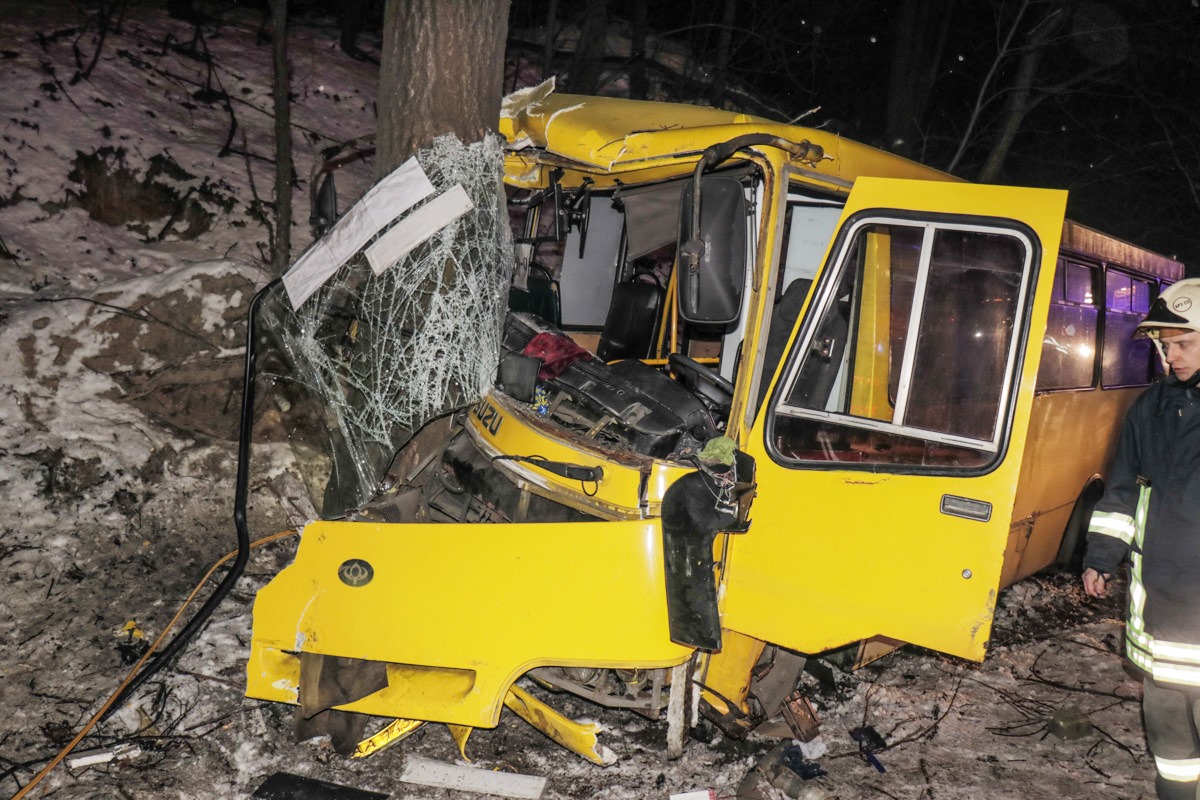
(120, 690)
(245, 436)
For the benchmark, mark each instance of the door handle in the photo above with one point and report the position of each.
(965, 507)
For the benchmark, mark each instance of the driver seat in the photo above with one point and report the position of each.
(631, 327)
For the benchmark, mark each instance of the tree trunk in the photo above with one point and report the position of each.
(639, 78)
(716, 91)
(551, 28)
(281, 253)
(1021, 96)
(587, 65)
(442, 72)
(1020, 100)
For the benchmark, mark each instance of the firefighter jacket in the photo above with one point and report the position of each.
(1150, 512)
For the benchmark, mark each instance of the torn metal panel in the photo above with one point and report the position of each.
(578, 737)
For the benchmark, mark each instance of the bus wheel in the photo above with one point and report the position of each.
(1070, 552)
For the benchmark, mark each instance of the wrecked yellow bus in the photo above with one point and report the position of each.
(763, 393)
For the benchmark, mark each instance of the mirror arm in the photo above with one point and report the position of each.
(552, 191)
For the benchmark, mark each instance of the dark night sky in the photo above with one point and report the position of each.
(1115, 122)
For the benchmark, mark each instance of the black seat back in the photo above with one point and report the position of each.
(539, 298)
(632, 322)
(783, 319)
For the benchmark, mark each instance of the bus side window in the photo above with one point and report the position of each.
(1069, 346)
(1127, 361)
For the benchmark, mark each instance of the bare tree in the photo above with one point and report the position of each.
(639, 79)
(281, 253)
(442, 71)
(587, 64)
(551, 28)
(920, 39)
(724, 54)
(1022, 98)
(1089, 28)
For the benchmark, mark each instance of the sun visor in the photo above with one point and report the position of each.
(651, 218)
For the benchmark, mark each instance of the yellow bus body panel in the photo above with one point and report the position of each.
(1054, 473)
(837, 555)
(614, 136)
(459, 612)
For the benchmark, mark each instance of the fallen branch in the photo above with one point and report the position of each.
(1039, 679)
(184, 375)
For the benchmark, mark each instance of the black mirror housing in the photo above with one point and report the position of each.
(712, 262)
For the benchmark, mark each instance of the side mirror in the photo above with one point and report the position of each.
(712, 260)
(324, 210)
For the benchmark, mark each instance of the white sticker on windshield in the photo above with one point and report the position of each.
(417, 227)
(406, 186)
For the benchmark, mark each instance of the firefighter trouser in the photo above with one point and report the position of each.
(1172, 717)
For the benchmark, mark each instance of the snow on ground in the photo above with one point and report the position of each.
(120, 350)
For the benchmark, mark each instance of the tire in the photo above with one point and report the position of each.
(1070, 552)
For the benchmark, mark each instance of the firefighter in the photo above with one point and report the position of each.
(1150, 512)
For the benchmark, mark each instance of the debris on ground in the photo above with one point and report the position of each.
(784, 769)
(122, 751)
(286, 786)
(1069, 722)
(428, 772)
(869, 743)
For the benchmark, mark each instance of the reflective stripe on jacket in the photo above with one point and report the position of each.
(1150, 512)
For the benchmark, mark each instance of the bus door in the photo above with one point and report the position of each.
(890, 440)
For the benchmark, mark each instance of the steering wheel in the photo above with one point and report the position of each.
(713, 390)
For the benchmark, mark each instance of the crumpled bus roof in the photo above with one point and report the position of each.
(615, 134)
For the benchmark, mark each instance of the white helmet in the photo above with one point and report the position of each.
(1177, 307)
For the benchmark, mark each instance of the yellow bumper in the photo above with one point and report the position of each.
(459, 612)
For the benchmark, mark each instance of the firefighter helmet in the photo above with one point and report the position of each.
(1177, 307)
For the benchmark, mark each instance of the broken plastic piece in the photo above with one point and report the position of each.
(103, 755)
(578, 737)
(869, 742)
(427, 772)
(460, 734)
(396, 730)
(868, 738)
(703, 794)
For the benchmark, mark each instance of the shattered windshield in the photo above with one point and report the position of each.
(379, 348)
